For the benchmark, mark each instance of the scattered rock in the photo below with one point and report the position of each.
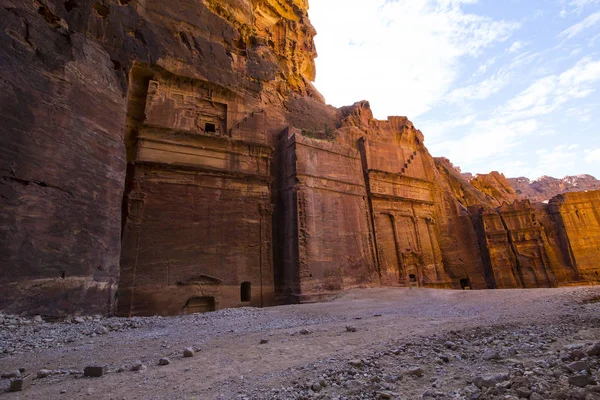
(523, 392)
(387, 395)
(490, 380)
(188, 352)
(581, 380)
(20, 384)
(95, 371)
(594, 350)
(450, 345)
(164, 361)
(416, 371)
(264, 341)
(578, 366)
(10, 375)
(43, 373)
(139, 366)
(356, 363)
(351, 329)
(491, 355)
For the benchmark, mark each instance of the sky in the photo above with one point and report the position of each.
(504, 85)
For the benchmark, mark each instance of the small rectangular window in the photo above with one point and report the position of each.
(210, 128)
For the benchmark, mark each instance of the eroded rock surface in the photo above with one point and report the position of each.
(164, 158)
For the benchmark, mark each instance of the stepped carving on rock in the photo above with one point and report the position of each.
(162, 158)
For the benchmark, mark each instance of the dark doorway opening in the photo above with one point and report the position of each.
(465, 284)
(245, 292)
(196, 305)
(413, 278)
(210, 128)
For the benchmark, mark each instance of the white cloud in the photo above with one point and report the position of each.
(436, 129)
(515, 47)
(579, 27)
(592, 156)
(577, 6)
(481, 90)
(548, 94)
(492, 139)
(409, 55)
(486, 140)
(557, 159)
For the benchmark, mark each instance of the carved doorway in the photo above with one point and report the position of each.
(197, 305)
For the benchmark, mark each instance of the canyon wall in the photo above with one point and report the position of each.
(173, 157)
(136, 150)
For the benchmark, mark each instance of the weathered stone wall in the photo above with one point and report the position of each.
(62, 166)
(197, 217)
(327, 222)
(535, 245)
(401, 189)
(577, 216)
(75, 79)
(463, 259)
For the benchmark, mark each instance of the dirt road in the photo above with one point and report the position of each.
(372, 343)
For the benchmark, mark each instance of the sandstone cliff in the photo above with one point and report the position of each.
(174, 157)
(75, 84)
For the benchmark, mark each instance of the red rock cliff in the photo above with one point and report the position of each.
(174, 157)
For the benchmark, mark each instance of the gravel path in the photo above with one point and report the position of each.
(367, 344)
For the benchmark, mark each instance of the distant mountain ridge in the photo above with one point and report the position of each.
(547, 187)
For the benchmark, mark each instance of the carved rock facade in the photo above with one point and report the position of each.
(169, 158)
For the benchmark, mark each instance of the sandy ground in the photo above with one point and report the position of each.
(398, 331)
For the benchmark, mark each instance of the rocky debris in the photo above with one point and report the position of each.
(350, 329)
(582, 380)
(535, 359)
(19, 335)
(139, 366)
(20, 384)
(578, 366)
(450, 345)
(164, 361)
(44, 373)
(513, 363)
(264, 341)
(11, 374)
(490, 380)
(188, 352)
(416, 371)
(594, 350)
(316, 387)
(95, 371)
(491, 355)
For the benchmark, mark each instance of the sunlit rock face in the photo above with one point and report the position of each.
(173, 157)
(577, 216)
